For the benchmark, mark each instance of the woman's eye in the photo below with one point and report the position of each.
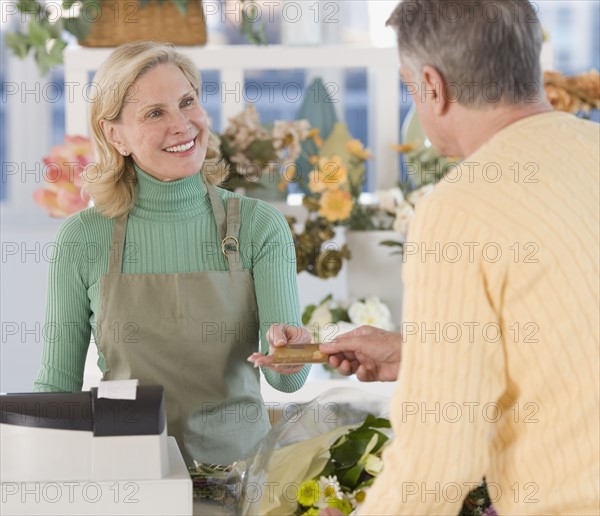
(154, 114)
(189, 102)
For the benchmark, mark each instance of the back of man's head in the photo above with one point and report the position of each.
(488, 51)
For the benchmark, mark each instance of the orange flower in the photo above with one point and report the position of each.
(314, 134)
(61, 199)
(330, 174)
(336, 205)
(62, 195)
(355, 147)
(406, 147)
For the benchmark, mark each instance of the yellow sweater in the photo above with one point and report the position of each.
(500, 368)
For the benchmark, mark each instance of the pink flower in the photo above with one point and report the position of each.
(63, 167)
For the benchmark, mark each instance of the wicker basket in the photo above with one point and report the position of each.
(121, 21)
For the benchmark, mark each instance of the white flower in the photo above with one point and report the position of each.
(390, 199)
(357, 497)
(288, 135)
(319, 320)
(415, 196)
(372, 312)
(329, 487)
(404, 214)
(373, 464)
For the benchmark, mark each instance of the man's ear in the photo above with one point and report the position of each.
(112, 133)
(435, 90)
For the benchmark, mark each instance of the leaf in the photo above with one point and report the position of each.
(55, 56)
(327, 298)
(376, 422)
(80, 27)
(18, 43)
(29, 6)
(339, 314)
(261, 150)
(348, 453)
(38, 35)
(351, 477)
(249, 16)
(308, 311)
(42, 59)
(392, 243)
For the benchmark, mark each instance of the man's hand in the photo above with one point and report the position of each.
(280, 335)
(373, 354)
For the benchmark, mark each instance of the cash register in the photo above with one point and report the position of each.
(82, 453)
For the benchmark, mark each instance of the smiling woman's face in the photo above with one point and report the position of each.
(162, 125)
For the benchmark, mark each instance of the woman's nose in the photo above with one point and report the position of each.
(179, 123)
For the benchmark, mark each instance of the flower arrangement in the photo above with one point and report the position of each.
(250, 149)
(335, 183)
(353, 465)
(333, 198)
(63, 194)
(576, 94)
(354, 462)
(331, 318)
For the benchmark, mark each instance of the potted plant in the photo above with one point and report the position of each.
(108, 23)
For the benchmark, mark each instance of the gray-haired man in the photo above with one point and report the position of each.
(499, 375)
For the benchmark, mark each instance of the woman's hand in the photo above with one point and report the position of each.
(280, 335)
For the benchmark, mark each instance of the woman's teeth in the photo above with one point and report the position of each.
(181, 148)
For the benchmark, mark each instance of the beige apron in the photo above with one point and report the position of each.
(191, 333)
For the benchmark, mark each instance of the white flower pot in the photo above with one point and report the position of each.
(374, 271)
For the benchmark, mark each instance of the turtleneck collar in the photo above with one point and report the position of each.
(169, 201)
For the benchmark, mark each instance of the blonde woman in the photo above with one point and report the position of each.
(175, 278)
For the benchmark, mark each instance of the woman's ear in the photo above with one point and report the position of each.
(112, 133)
(435, 90)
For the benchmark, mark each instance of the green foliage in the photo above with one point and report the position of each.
(255, 33)
(43, 37)
(347, 459)
(44, 34)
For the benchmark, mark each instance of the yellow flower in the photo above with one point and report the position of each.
(336, 205)
(355, 147)
(358, 496)
(342, 505)
(330, 174)
(314, 134)
(308, 493)
(406, 147)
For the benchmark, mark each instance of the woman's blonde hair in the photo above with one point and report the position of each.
(111, 180)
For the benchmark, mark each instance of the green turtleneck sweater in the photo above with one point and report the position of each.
(170, 229)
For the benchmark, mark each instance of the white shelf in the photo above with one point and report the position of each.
(235, 60)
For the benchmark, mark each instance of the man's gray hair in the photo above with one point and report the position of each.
(488, 51)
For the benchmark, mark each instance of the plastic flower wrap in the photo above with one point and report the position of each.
(326, 453)
(63, 194)
(298, 463)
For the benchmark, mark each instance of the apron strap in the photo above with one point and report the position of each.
(115, 258)
(230, 246)
(218, 210)
(228, 227)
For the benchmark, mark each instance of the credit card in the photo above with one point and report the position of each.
(297, 354)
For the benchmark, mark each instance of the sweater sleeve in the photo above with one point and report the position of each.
(452, 372)
(274, 271)
(67, 330)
